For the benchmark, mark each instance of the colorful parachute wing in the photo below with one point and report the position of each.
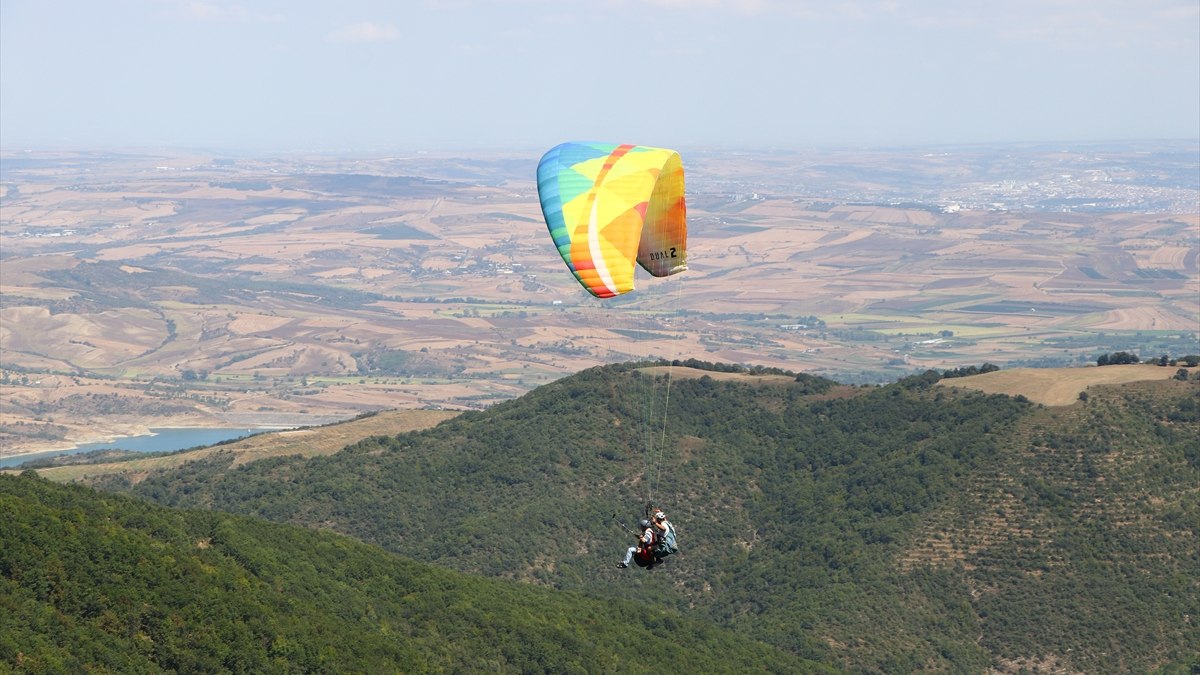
(608, 206)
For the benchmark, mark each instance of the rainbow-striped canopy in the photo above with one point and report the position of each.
(608, 205)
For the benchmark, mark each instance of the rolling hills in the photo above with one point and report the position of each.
(144, 289)
(881, 529)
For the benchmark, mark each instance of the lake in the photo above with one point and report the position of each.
(163, 439)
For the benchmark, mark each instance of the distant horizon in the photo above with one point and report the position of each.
(305, 76)
(7, 148)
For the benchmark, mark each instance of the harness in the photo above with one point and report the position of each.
(647, 552)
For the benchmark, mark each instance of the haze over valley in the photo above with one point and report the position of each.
(153, 289)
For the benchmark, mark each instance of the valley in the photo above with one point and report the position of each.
(173, 289)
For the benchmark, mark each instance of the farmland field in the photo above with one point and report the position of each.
(157, 289)
(1059, 386)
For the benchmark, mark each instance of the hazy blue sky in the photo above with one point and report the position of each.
(362, 74)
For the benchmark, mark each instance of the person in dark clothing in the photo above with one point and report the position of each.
(643, 552)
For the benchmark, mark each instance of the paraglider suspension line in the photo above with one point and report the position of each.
(656, 459)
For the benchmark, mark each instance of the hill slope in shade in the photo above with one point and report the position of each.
(812, 516)
(99, 583)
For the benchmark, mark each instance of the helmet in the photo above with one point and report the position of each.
(660, 516)
(643, 523)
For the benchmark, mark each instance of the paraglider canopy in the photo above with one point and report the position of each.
(609, 205)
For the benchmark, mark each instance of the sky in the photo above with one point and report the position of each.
(299, 75)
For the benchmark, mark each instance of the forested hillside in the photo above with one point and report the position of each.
(1079, 544)
(104, 583)
(881, 528)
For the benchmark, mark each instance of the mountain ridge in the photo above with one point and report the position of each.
(809, 516)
